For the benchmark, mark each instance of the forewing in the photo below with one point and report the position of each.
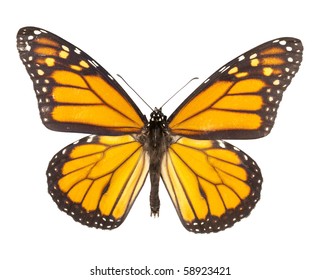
(74, 92)
(97, 179)
(241, 99)
(212, 184)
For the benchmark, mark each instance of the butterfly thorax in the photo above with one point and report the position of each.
(157, 141)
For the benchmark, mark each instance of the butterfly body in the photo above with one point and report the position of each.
(211, 183)
(157, 141)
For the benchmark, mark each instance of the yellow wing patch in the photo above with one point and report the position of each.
(211, 183)
(221, 107)
(97, 179)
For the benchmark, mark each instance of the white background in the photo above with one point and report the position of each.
(158, 46)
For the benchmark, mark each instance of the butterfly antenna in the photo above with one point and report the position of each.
(135, 92)
(195, 78)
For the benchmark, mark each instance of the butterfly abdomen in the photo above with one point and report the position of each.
(157, 135)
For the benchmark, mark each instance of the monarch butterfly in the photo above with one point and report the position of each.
(212, 184)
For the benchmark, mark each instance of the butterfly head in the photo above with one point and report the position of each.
(157, 118)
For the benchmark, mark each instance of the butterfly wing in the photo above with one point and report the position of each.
(97, 179)
(212, 184)
(241, 99)
(74, 92)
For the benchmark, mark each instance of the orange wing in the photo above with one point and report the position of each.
(97, 179)
(74, 92)
(212, 184)
(241, 99)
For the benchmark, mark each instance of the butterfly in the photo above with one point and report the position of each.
(212, 184)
